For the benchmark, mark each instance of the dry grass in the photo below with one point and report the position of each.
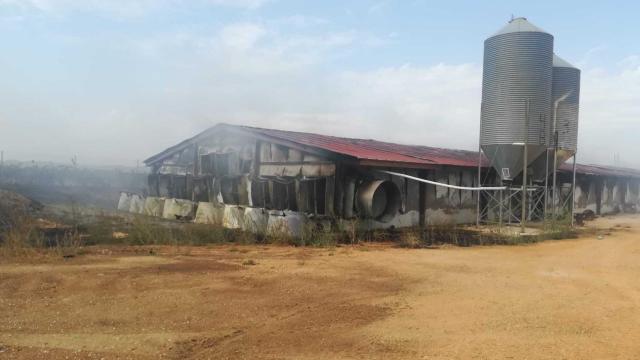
(279, 234)
(21, 238)
(352, 231)
(317, 234)
(17, 237)
(17, 231)
(411, 239)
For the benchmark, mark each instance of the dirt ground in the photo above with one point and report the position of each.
(572, 299)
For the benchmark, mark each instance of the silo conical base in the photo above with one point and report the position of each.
(508, 159)
(537, 166)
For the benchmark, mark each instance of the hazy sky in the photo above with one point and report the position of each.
(117, 81)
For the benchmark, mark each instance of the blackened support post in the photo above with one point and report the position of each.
(256, 159)
(422, 199)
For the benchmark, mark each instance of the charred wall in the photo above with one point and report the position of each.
(228, 168)
(234, 169)
(601, 194)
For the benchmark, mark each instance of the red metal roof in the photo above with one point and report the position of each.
(601, 170)
(373, 150)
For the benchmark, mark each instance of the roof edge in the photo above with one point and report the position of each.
(179, 146)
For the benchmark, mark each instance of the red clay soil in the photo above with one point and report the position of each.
(558, 299)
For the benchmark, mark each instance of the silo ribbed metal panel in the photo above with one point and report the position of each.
(517, 67)
(566, 80)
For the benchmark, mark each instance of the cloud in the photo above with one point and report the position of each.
(378, 7)
(590, 56)
(122, 99)
(251, 48)
(241, 36)
(248, 4)
(610, 113)
(302, 21)
(115, 8)
(437, 105)
(427, 105)
(414, 104)
(120, 9)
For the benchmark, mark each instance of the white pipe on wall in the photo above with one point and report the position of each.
(443, 184)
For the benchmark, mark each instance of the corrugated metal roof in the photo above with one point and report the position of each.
(601, 170)
(380, 153)
(519, 24)
(560, 62)
(375, 151)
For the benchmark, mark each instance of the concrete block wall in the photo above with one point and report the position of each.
(209, 213)
(124, 203)
(256, 220)
(174, 208)
(153, 206)
(285, 222)
(136, 205)
(251, 219)
(233, 217)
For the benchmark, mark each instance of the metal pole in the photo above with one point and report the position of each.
(555, 151)
(523, 216)
(530, 204)
(479, 185)
(573, 188)
(546, 185)
(510, 209)
(500, 212)
(479, 168)
(555, 147)
(555, 173)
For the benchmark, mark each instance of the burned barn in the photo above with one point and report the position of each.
(306, 175)
(606, 189)
(258, 179)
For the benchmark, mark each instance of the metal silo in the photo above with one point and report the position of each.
(516, 90)
(563, 115)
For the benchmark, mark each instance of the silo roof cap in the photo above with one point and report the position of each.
(560, 62)
(519, 24)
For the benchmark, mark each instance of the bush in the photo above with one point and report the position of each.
(315, 234)
(21, 235)
(18, 235)
(411, 239)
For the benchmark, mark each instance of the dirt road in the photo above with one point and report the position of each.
(575, 299)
